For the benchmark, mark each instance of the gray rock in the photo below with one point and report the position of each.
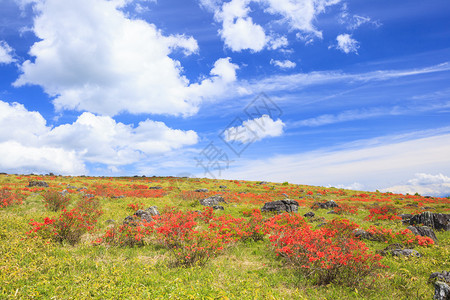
(201, 190)
(212, 201)
(155, 188)
(309, 214)
(433, 220)
(153, 210)
(37, 184)
(142, 215)
(325, 205)
(362, 234)
(218, 207)
(286, 205)
(64, 192)
(423, 231)
(222, 186)
(405, 252)
(441, 276)
(263, 182)
(441, 291)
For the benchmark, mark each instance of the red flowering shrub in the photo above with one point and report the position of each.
(385, 212)
(254, 228)
(188, 243)
(326, 255)
(127, 234)
(341, 227)
(405, 237)
(135, 206)
(55, 201)
(8, 198)
(346, 209)
(70, 225)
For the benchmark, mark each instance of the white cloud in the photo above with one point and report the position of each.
(91, 138)
(299, 81)
(347, 44)
(277, 42)
(255, 130)
(6, 53)
(353, 22)
(375, 163)
(91, 57)
(223, 74)
(240, 32)
(285, 64)
(424, 184)
(300, 14)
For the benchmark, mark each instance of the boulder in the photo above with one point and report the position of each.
(37, 184)
(222, 186)
(212, 201)
(423, 231)
(286, 205)
(155, 188)
(309, 214)
(440, 276)
(218, 207)
(362, 234)
(325, 205)
(433, 220)
(405, 252)
(142, 215)
(201, 190)
(398, 250)
(441, 291)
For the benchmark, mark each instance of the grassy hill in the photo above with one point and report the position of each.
(82, 250)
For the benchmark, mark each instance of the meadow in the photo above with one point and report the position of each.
(69, 241)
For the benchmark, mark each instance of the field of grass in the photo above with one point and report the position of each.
(36, 267)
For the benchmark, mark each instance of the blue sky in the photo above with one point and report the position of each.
(322, 92)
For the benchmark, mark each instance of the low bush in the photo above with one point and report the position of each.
(55, 201)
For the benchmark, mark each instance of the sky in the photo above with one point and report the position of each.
(334, 93)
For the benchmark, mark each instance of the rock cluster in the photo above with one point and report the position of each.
(285, 205)
(37, 184)
(142, 215)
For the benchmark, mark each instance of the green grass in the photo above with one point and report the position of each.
(37, 269)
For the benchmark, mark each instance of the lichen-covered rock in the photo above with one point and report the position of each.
(37, 184)
(142, 215)
(212, 201)
(440, 276)
(441, 291)
(155, 188)
(309, 214)
(285, 205)
(325, 205)
(433, 220)
(423, 231)
(362, 234)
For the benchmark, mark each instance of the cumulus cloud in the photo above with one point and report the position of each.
(424, 184)
(254, 130)
(347, 44)
(285, 64)
(6, 53)
(91, 57)
(17, 158)
(91, 138)
(239, 31)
